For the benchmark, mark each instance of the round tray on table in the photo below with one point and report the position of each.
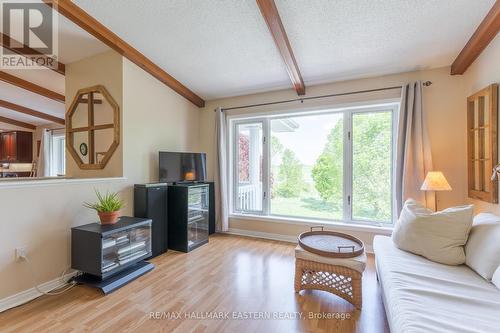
(331, 244)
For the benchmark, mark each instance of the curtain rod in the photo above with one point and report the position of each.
(426, 83)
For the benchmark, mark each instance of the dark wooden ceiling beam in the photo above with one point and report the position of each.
(99, 31)
(18, 82)
(273, 20)
(6, 42)
(31, 112)
(16, 123)
(483, 35)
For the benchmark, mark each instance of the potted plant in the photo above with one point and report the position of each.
(107, 207)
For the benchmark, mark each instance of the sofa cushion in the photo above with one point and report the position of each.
(356, 263)
(496, 278)
(424, 296)
(482, 251)
(438, 236)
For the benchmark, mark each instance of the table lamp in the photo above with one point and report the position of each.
(435, 181)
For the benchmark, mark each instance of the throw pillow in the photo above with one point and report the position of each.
(496, 278)
(482, 251)
(438, 236)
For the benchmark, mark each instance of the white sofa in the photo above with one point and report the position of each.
(424, 296)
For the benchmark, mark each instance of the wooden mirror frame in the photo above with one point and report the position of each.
(91, 128)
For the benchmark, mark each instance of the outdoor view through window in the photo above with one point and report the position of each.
(332, 166)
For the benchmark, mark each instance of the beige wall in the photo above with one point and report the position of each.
(154, 119)
(105, 69)
(483, 72)
(443, 104)
(40, 216)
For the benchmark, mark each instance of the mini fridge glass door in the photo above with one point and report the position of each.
(197, 215)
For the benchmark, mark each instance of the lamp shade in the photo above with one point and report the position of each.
(435, 181)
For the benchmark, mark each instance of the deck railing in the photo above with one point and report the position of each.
(250, 197)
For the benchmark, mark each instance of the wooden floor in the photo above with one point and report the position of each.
(234, 276)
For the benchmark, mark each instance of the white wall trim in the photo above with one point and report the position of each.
(370, 228)
(277, 237)
(4, 184)
(264, 235)
(30, 294)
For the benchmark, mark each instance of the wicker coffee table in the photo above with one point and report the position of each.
(339, 276)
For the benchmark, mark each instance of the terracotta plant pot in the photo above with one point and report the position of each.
(108, 217)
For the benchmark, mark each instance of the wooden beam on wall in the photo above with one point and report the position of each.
(18, 82)
(483, 35)
(271, 16)
(6, 42)
(16, 123)
(31, 112)
(95, 28)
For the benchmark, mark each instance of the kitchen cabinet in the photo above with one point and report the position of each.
(16, 147)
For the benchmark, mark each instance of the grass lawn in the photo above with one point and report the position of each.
(306, 206)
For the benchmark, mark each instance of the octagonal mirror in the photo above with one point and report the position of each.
(93, 127)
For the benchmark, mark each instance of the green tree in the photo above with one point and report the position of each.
(371, 163)
(290, 175)
(327, 173)
(276, 146)
(371, 166)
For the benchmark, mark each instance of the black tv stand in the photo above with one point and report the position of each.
(110, 256)
(116, 281)
(188, 216)
(188, 182)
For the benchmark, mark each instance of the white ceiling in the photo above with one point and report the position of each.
(214, 47)
(31, 100)
(221, 48)
(74, 44)
(344, 39)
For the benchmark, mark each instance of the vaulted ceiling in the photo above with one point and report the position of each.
(74, 44)
(222, 48)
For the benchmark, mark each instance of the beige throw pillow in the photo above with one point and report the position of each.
(482, 251)
(438, 236)
(496, 278)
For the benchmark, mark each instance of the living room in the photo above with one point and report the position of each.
(317, 121)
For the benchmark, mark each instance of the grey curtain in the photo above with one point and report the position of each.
(413, 151)
(221, 175)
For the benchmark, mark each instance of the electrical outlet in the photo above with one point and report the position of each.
(21, 253)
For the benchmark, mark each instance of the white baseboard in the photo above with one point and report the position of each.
(31, 294)
(264, 235)
(278, 237)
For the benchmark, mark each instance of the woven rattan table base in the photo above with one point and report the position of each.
(339, 280)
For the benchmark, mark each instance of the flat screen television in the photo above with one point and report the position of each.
(178, 167)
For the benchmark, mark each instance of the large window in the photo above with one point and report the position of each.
(330, 165)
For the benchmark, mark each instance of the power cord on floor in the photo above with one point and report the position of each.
(51, 292)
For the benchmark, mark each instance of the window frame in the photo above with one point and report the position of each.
(53, 137)
(347, 215)
(235, 167)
